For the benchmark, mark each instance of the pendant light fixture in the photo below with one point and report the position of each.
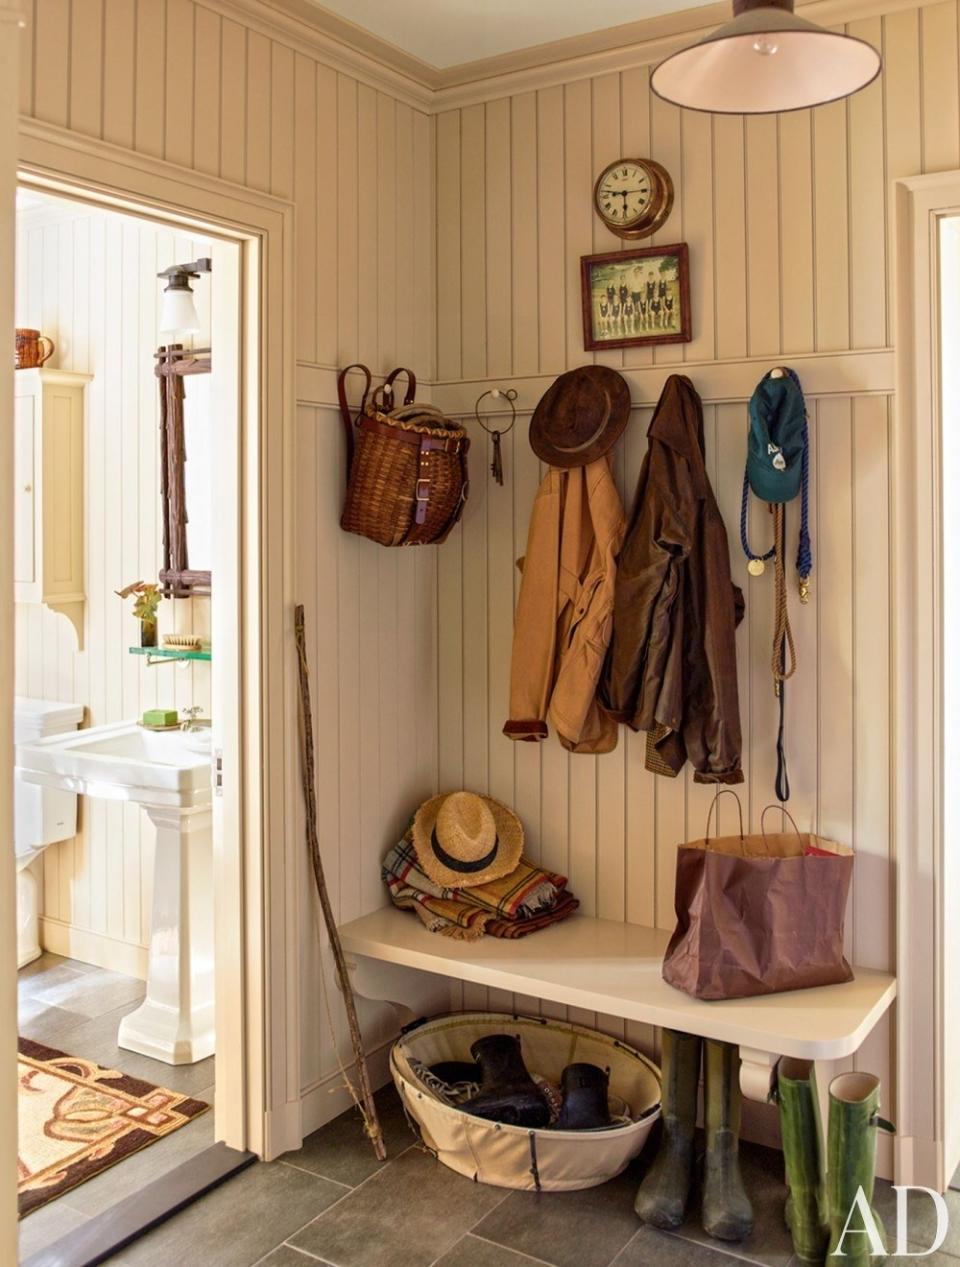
(766, 61)
(178, 313)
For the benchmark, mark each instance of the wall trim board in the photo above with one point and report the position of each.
(317, 385)
(345, 45)
(846, 373)
(718, 382)
(918, 776)
(172, 185)
(324, 1100)
(96, 948)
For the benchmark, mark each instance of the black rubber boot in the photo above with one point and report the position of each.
(727, 1212)
(507, 1092)
(662, 1196)
(805, 1211)
(585, 1106)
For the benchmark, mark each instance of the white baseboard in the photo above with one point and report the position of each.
(93, 948)
(289, 1125)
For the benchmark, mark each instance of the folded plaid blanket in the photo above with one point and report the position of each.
(527, 899)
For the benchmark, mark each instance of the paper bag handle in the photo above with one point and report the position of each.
(783, 810)
(713, 804)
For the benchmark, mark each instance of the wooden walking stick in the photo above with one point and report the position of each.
(364, 1099)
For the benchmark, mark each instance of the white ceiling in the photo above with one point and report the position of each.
(450, 32)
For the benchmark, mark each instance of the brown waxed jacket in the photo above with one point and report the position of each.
(672, 666)
(564, 612)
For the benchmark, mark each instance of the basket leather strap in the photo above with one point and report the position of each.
(384, 397)
(345, 412)
(428, 444)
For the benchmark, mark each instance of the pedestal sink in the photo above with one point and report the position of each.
(165, 773)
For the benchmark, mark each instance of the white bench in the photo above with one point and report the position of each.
(606, 966)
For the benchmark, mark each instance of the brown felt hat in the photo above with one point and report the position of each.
(581, 416)
(463, 839)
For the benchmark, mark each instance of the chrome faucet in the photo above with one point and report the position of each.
(192, 720)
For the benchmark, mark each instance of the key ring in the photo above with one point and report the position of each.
(508, 394)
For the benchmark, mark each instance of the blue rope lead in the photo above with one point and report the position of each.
(744, 503)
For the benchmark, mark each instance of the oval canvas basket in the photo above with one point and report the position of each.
(512, 1156)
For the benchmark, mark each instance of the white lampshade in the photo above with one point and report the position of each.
(178, 314)
(767, 60)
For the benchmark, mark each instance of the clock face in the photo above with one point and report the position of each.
(633, 197)
(625, 192)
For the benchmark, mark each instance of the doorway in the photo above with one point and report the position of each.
(113, 477)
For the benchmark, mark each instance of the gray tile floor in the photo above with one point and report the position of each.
(331, 1203)
(77, 1009)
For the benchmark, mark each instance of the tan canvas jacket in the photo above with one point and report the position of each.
(565, 610)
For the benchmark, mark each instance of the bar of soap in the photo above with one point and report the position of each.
(160, 717)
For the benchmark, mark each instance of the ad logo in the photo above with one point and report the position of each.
(861, 1221)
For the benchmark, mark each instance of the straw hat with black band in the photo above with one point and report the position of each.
(581, 416)
(463, 839)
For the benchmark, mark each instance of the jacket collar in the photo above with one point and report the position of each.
(678, 423)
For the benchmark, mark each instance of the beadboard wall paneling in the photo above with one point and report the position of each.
(374, 686)
(786, 217)
(193, 84)
(88, 280)
(787, 221)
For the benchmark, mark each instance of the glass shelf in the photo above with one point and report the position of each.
(172, 653)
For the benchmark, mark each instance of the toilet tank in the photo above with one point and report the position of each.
(42, 815)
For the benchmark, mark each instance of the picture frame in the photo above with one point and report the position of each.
(620, 310)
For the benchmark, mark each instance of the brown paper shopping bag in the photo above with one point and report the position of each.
(758, 914)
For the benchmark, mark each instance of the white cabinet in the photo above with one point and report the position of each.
(48, 493)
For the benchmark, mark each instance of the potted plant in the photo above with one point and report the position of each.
(145, 606)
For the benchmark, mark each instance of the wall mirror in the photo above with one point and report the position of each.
(186, 472)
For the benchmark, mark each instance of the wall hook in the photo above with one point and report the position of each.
(508, 394)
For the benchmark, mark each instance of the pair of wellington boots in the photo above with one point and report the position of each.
(823, 1210)
(509, 1094)
(664, 1193)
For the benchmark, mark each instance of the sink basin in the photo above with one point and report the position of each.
(123, 762)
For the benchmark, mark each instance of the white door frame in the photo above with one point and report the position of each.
(257, 1047)
(917, 772)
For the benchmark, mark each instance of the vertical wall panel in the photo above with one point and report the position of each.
(524, 225)
(831, 227)
(498, 282)
(119, 68)
(730, 259)
(868, 236)
(233, 101)
(448, 245)
(762, 213)
(473, 257)
(178, 95)
(86, 66)
(149, 84)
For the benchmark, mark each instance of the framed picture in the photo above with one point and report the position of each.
(636, 297)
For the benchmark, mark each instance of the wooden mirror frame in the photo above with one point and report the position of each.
(174, 364)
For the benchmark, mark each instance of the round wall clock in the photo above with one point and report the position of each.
(633, 197)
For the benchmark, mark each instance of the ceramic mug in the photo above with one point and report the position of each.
(29, 354)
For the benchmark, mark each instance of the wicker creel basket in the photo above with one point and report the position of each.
(407, 473)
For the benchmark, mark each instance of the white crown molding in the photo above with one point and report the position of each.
(339, 44)
(358, 52)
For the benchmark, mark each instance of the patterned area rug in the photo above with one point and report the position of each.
(77, 1119)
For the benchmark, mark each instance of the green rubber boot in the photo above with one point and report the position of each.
(805, 1210)
(727, 1212)
(662, 1196)
(852, 1156)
